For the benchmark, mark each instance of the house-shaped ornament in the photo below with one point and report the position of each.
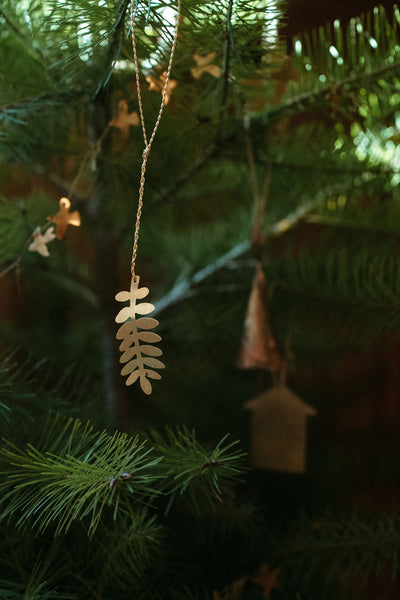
(278, 424)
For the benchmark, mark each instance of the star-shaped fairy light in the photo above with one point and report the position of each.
(64, 218)
(40, 241)
(157, 85)
(267, 579)
(204, 65)
(124, 120)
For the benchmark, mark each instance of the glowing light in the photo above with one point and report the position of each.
(333, 52)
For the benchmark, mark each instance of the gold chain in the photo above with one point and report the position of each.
(148, 143)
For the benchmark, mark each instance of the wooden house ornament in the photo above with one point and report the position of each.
(279, 423)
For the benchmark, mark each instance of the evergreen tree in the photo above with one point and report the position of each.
(285, 155)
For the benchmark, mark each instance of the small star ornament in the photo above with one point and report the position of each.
(267, 579)
(157, 85)
(64, 218)
(40, 241)
(204, 65)
(124, 120)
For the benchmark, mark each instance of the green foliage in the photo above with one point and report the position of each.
(340, 545)
(120, 515)
(195, 470)
(84, 474)
(337, 65)
(131, 547)
(81, 485)
(103, 492)
(30, 389)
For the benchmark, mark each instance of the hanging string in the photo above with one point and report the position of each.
(148, 142)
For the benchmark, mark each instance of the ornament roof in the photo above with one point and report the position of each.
(283, 395)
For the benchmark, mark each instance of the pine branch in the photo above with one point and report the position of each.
(302, 102)
(74, 473)
(333, 170)
(24, 389)
(166, 194)
(189, 466)
(184, 289)
(115, 45)
(97, 473)
(63, 185)
(337, 545)
(34, 579)
(356, 276)
(130, 548)
(19, 34)
(88, 586)
(226, 64)
(363, 58)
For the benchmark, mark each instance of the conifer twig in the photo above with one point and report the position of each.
(17, 32)
(182, 290)
(11, 266)
(227, 56)
(334, 170)
(15, 264)
(216, 143)
(301, 99)
(186, 175)
(64, 186)
(88, 586)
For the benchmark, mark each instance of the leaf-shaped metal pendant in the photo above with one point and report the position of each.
(138, 357)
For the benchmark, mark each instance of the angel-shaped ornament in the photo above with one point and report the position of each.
(40, 241)
(64, 218)
(157, 85)
(204, 65)
(124, 119)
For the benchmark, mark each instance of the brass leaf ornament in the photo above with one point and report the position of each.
(64, 218)
(40, 241)
(124, 119)
(258, 349)
(139, 359)
(204, 65)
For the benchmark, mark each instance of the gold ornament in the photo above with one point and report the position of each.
(124, 119)
(137, 364)
(158, 85)
(267, 579)
(204, 65)
(258, 350)
(278, 438)
(40, 241)
(64, 218)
